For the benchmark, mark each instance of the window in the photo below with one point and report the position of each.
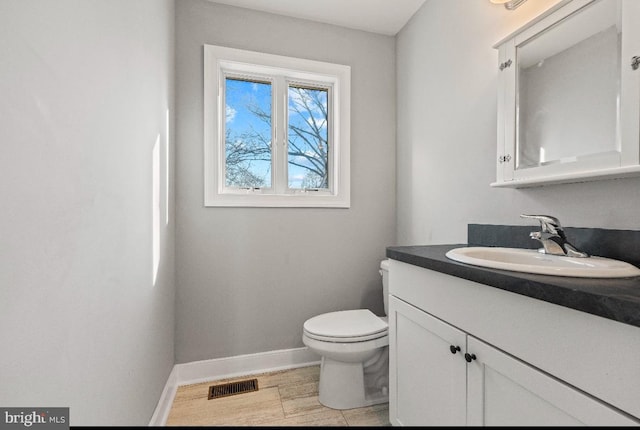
(276, 130)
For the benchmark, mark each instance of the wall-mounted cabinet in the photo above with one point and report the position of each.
(569, 95)
(463, 353)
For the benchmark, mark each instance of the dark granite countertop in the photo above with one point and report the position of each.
(616, 299)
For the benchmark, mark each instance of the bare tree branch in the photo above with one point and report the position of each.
(307, 141)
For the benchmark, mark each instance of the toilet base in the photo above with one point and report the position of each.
(351, 385)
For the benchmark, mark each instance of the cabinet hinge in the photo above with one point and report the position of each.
(504, 158)
(505, 64)
(635, 62)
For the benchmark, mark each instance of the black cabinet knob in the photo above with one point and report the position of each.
(454, 349)
(469, 357)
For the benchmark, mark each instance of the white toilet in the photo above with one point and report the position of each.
(354, 370)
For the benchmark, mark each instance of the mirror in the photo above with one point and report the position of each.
(568, 89)
(569, 95)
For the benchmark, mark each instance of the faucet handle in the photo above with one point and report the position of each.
(548, 223)
(554, 241)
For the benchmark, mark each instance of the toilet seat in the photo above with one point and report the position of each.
(346, 326)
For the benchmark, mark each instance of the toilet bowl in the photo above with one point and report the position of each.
(353, 344)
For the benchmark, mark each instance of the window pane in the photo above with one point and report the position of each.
(248, 133)
(308, 138)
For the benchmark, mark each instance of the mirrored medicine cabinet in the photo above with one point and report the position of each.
(569, 95)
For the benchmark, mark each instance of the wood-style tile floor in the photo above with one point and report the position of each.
(285, 398)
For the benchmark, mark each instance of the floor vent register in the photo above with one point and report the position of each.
(233, 388)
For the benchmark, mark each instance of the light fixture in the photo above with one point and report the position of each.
(509, 4)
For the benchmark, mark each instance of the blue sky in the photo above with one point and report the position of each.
(240, 120)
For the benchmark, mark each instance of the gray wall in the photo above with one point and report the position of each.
(248, 278)
(446, 140)
(85, 88)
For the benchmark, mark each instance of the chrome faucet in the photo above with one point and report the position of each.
(552, 237)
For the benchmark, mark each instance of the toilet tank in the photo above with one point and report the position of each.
(384, 271)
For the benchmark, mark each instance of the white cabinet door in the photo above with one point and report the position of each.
(504, 391)
(427, 382)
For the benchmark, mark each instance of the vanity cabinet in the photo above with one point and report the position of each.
(428, 381)
(569, 95)
(462, 353)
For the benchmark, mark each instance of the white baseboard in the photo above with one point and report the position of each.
(163, 407)
(228, 367)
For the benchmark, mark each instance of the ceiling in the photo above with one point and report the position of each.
(377, 16)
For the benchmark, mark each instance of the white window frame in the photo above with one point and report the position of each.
(221, 62)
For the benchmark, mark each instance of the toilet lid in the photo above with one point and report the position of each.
(357, 323)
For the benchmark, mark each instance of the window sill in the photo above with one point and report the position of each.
(278, 201)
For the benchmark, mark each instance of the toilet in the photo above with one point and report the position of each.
(354, 370)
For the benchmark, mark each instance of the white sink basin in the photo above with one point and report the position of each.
(532, 261)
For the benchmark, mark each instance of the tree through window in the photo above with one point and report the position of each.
(248, 131)
(308, 141)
